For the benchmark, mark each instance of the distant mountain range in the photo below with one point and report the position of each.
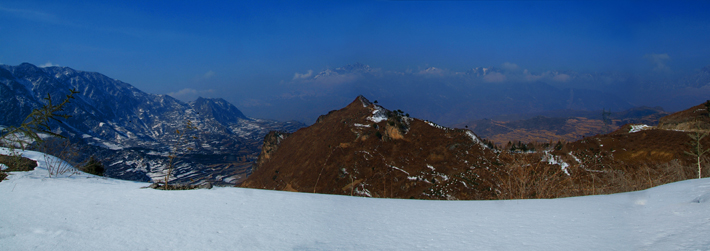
(120, 120)
(443, 96)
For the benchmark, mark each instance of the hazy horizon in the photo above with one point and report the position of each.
(264, 56)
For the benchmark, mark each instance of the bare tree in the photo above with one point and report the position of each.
(607, 120)
(35, 123)
(697, 147)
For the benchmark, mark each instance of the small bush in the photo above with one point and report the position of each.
(160, 186)
(28, 132)
(60, 156)
(527, 178)
(35, 123)
(94, 167)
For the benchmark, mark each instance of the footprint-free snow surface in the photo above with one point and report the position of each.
(85, 212)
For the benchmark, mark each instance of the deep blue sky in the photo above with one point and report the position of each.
(240, 50)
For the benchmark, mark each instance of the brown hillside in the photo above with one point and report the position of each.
(561, 125)
(538, 129)
(645, 146)
(627, 160)
(627, 156)
(687, 120)
(366, 150)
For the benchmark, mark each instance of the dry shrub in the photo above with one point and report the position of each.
(66, 153)
(159, 186)
(93, 166)
(526, 177)
(627, 178)
(688, 126)
(182, 139)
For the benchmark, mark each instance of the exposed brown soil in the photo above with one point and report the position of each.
(17, 163)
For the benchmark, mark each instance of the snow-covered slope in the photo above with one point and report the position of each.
(85, 212)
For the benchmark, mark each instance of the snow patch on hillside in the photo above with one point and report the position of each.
(638, 128)
(397, 168)
(111, 146)
(378, 114)
(571, 154)
(556, 160)
(435, 125)
(476, 139)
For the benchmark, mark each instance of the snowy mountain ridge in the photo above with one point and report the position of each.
(116, 116)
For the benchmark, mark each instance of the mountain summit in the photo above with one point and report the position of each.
(219, 109)
(367, 150)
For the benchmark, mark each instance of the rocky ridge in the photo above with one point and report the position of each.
(367, 150)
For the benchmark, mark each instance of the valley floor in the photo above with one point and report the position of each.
(85, 212)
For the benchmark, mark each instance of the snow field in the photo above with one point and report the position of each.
(86, 212)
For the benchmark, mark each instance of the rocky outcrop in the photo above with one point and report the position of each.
(271, 144)
(367, 150)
